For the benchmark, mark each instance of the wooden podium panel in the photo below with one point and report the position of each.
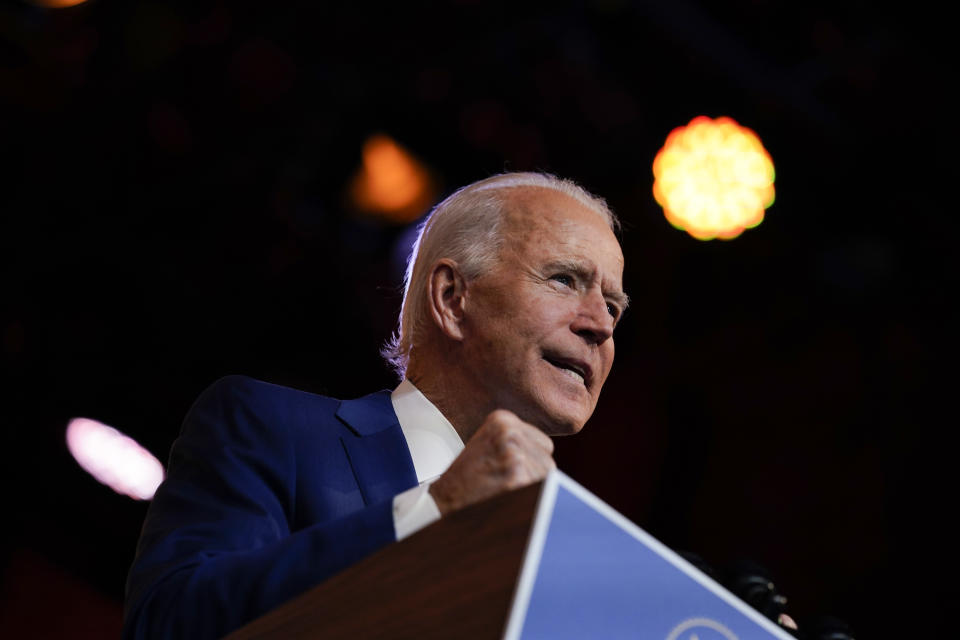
(455, 578)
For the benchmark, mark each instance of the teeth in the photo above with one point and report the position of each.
(567, 369)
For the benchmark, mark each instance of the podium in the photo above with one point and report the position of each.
(548, 561)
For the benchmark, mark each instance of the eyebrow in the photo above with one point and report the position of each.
(584, 273)
(621, 299)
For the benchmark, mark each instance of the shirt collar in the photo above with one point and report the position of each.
(432, 440)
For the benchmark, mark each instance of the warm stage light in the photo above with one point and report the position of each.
(713, 178)
(391, 184)
(114, 459)
(57, 4)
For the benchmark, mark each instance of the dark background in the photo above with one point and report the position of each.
(174, 209)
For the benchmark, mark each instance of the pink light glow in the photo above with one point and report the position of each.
(114, 459)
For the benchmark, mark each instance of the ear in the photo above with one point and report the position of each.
(445, 290)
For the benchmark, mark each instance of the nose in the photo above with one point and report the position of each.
(593, 321)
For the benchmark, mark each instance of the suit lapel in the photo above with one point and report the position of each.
(376, 448)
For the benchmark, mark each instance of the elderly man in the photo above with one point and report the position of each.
(505, 338)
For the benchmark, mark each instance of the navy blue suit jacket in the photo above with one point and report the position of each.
(268, 492)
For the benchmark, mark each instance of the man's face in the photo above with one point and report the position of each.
(539, 326)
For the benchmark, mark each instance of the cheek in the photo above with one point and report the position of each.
(528, 326)
(543, 317)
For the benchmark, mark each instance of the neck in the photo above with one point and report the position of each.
(444, 386)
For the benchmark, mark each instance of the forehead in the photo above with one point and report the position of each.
(546, 223)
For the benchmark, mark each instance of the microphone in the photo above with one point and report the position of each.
(752, 583)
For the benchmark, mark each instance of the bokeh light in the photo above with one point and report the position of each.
(57, 4)
(114, 459)
(391, 184)
(713, 178)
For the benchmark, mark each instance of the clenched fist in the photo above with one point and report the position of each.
(505, 453)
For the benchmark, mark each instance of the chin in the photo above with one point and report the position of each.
(566, 431)
(556, 414)
(562, 425)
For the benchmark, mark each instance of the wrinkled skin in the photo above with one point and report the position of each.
(537, 340)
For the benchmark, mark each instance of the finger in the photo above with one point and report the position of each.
(541, 465)
(507, 425)
(534, 464)
(538, 438)
(532, 448)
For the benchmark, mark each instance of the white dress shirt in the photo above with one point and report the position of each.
(433, 444)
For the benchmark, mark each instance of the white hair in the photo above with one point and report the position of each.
(467, 228)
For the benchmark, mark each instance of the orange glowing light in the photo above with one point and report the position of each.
(713, 178)
(392, 183)
(114, 459)
(57, 4)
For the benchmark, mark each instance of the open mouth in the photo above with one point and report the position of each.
(575, 370)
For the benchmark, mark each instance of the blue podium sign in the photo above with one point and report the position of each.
(591, 573)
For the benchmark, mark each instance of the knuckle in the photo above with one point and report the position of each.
(507, 439)
(504, 430)
(513, 458)
(515, 478)
(503, 446)
(547, 442)
(501, 419)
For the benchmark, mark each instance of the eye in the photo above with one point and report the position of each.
(613, 310)
(563, 278)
